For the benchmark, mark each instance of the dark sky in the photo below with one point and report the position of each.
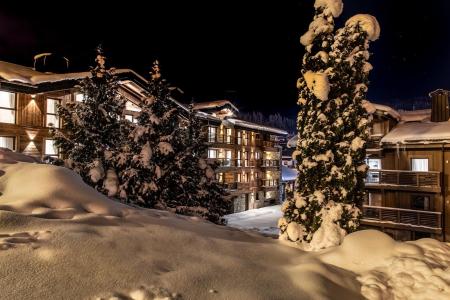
(247, 51)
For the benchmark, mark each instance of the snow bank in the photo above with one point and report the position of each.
(371, 108)
(60, 239)
(394, 270)
(368, 23)
(333, 7)
(420, 115)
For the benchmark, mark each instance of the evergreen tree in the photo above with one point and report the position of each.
(314, 154)
(202, 194)
(93, 129)
(332, 127)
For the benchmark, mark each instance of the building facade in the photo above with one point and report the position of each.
(248, 154)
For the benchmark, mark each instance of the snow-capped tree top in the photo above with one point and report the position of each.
(156, 73)
(333, 7)
(317, 26)
(367, 23)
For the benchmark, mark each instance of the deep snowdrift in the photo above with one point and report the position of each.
(59, 239)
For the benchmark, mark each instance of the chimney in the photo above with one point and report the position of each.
(439, 105)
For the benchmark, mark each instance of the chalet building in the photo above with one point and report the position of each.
(408, 182)
(248, 154)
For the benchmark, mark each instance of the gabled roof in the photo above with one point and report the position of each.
(26, 75)
(245, 124)
(217, 104)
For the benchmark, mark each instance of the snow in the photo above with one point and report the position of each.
(333, 7)
(60, 239)
(373, 107)
(111, 183)
(368, 23)
(214, 104)
(165, 148)
(17, 73)
(421, 115)
(318, 84)
(263, 220)
(317, 26)
(250, 125)
(288, 174)
(418, 132)
(96, 172)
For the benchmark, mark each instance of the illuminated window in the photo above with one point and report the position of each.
(131, 118)
(52, 119)
(79, 97)
(212, 134)
(212, 153)
(7, 142)
(131, 106)
(50, 148)
(374, 163)
(7, 107)
(419, 164)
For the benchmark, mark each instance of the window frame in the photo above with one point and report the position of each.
(10, 109)
(52, 114)
(14, 139)
(45, 148)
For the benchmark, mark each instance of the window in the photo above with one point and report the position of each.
(7, 107)
(239, 177)
(131, 106)
(79, 97)
(257, 155)
(228, 135)
(421, 202)
(239, 138)
(212, 153)
(131, 118)
(7, 142)
(419, 164)
(374, 163)
(219, 177)
(212, 134)
(50, 148)
(52, 119)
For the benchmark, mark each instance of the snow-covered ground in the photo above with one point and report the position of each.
(60, 239)
(263, 220)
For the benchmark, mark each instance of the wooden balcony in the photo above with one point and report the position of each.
(270, 163)
(399, 218)
(269, 184)
(404, 180)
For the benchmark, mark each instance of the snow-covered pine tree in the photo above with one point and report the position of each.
(93, 129)
(202, 195)
(154, 178)
(315, 149)
(349, 79)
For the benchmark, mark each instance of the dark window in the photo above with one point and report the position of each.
(420, 202)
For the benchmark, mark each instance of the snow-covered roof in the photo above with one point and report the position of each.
(415, 115)
(21, 74)
(214, 104)
(418, 132)
(288, 174)
(387, 110)
(246, 124)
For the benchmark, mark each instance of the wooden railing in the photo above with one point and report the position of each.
(430, 219)
(270, 163)
(407, 178)
(269, 183)
(227, 162)
(242, 141)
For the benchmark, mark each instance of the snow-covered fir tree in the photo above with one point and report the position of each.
(93, 129)
(332, 127)
(202, 194)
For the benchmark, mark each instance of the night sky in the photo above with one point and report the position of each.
(247, 51)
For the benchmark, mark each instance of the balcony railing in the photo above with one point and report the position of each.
(239, 140)
(243, 163)
(270, 163)
(269, 183)
(404, 178)
(402, 216)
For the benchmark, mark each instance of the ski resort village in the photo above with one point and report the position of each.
(212, 152)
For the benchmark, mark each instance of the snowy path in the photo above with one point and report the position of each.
(263, 220)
